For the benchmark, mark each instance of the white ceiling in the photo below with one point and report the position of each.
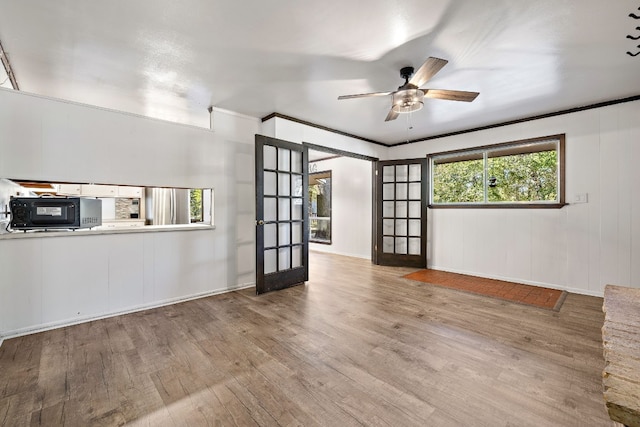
(171, 59)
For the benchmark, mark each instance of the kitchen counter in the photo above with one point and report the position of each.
(100, 231)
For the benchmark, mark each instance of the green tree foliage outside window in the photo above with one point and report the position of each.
(458, 182)
(530, 177)
(505, 173)
(195, 205)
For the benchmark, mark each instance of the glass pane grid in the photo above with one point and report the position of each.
(401, 209)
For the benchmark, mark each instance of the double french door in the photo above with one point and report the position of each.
(282, 218)
(282, 231)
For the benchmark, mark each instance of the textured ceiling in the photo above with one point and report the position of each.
(171, 59)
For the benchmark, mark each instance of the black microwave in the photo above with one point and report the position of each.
(30, 213)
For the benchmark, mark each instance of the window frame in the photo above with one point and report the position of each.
(485, 150)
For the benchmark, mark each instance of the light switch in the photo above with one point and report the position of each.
(581, 198)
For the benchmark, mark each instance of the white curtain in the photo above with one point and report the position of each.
(164, 206)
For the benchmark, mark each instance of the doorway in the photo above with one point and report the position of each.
(341, 202)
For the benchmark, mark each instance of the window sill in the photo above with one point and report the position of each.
(499, 206)
(94, 232)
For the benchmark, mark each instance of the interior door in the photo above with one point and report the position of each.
(282, 231)
(401, 213)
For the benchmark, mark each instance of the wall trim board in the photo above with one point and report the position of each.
(570, 289)
(233, 113)
(339, 153)
(70, 322)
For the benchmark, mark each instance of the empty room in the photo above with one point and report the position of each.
(391, 213)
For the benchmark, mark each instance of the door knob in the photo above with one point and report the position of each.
(260, 222)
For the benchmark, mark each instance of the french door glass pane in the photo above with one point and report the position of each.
(387, 226)
(401, 245)
(414, 246)
(387, 245)
(414, 173)
(284, 184)
(270, 183)
(402, 173)
(296, 161)
(414, 190)
(401, 209)
(285, 258)
(388, 209)
(388, 174)
(387, 191)
(296, 185)
(284, 156)
(414, 227)
(270, 236)
(284, 233)
(269, 156)
(414, 209)
(270, 213)
(401, 227)
(270, 263)
(296, 253)
(285, 209)
(296, 209)
(296, 232)
(401, 191)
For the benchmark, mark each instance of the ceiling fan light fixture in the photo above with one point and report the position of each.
(408, 100)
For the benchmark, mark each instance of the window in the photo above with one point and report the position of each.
(527, 173)
(320, 207)
(196, 206)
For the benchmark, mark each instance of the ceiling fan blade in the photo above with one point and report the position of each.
(427, 70)
(451, 95)
(391, 116)
(365, 95)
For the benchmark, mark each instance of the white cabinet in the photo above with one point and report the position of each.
(95, 190)
(131, 192)
(69, 189)
(99, 190)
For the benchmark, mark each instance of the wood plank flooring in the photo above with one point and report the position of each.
(358, 345)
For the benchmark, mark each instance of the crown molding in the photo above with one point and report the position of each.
(463, 131)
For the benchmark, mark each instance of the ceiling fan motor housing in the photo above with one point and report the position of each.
(406, 72)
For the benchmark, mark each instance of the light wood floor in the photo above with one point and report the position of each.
(357, 345)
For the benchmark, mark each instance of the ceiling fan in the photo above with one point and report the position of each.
(409, 97)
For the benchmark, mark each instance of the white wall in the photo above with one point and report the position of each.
(351, 203)
(288, 130)
(49, 281)
(581, 247)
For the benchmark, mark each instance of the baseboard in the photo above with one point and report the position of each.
(70, 322)
(524, 282)
(340, 253)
